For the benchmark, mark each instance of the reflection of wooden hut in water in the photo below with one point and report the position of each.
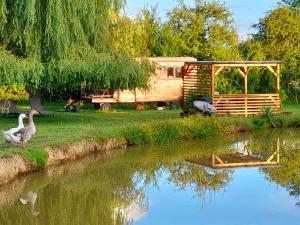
(199, 79)
(237, 159)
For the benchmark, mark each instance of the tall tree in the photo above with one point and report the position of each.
(279, 35)
(204, 30)
(137, 36)
(55, 45)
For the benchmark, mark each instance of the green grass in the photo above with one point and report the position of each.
(145, 126)
(292, 107)
(67, 127)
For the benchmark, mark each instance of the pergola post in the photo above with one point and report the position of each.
(246, 70)
(278, 78)
(212, 83)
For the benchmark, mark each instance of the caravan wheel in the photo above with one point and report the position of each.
(106, 107)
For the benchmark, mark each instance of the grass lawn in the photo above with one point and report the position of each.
(66, 127)
(292, 107)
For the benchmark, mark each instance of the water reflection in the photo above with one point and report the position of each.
(30, 198)
(135, 211)
(155, 185)
(241, 156)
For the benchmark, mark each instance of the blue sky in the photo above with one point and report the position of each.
(245, 12)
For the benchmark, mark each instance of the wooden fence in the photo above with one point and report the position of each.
(246, 104)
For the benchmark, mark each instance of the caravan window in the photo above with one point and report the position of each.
(170, 72)
(174, 72)
(178, 72)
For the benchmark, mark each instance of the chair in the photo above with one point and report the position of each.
(36, 104)
(4, 106)
(8, 107)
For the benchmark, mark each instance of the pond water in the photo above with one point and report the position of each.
(166, 184)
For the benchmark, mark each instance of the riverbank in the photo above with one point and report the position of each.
(119, 129)
(11, 167)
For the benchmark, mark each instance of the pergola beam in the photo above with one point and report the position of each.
(241, 72)
(244, 73)
(272, 71)
(219, 70)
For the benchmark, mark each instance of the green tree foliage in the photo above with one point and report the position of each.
(48, 29)
(56, 45)
(278, 38)
(136, 36)
(14, 92)
(292, 3)
(204, 31)
(119, 71)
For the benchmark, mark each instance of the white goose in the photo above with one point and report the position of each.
(26, 133)
(9, 136)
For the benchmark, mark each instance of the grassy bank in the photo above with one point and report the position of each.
(198, 126)
(139, 127)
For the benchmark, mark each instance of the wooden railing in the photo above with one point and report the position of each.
(246, 104)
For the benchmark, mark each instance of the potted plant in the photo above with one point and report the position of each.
(72, 105)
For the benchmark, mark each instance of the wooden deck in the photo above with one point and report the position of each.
(245, 104)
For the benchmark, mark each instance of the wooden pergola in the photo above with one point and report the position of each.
(199, 78)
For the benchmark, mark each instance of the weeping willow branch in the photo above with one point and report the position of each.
(59, 44)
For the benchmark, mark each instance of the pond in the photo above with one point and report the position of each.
(167, 184)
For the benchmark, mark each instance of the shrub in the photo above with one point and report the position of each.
(14, 92)
(268, 117)
(166, 133)
(259, 123)
(138, 135)
(190, 99)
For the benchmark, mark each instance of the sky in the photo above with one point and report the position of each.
(245, 12)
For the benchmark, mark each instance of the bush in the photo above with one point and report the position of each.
(140, 135)
(14, 92)
(166, 133)
(268, 117)
(190, 99)
(199, 126)
(259, 123)
(157, 132)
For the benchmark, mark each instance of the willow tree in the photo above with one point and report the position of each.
(44, 40)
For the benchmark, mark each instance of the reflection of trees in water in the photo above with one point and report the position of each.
(134, 211)
(202, 179)
(263, 144)
(92, 193)
(90, 198)
(288, 175)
